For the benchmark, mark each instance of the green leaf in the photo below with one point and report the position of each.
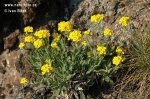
(109, 70)
(101, 72)
(107, 79)
(56, 93)
(82, 96)
(70, 76)
(90, 71)
(111, 82)
(45, 82)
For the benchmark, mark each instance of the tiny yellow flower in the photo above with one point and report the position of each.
(54, 45)
(65, 26)
(84, 43)
(28, 29)
(38, 43)
(56, 37)
(119, 51)
(29, 39)
(97, 18)
(88, 32)
(124, 21)
(47, 68)
(21, 45)
(75, 36)
(89, 54)
(117, 60)
(23, 80)
(107, 32)
(101, 49)
(42, 33)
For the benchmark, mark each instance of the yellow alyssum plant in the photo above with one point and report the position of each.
(69, 57)
(117, 60)
(84, 43)
(107, 32)
(38, 43)
(56, 37)
(75, 36)
(29, 39)
(119, 51)
(88, 32)
(97, 18)
(42, 34)
(23, 80)
(21, 45)
(28, 29)
(46, 69)
(54, 45)
(101, 49)
(65, 26)
(124, 21)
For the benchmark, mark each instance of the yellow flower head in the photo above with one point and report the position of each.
(29, 39)
(38, 43)
(101, 49)
(119, 51)
(56, 37)
(54, 45)
(117, 60)
(88, 32)
(124, 21)
(107, 32)
(42, 34)
(97, 18)
(84, 43)
(65, 26)
(47, 68)
(89, 54)
(28, 29)
(23, 80)
(75, 36)
(21, 45)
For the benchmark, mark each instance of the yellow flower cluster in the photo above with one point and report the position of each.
(56, 37)
(75, 36)
(29, 39)
(97, 18)
(21, 45)
(42, 34)
(38, 38)
(65, 26)
(101, 49)
(84, 43)
(88, 32)
(28, 29)
(107, 32)
(47, 68)
(119, 51)
(54, 45)
(38, 43)
(117, 60)
(124, 21)
(23, 80)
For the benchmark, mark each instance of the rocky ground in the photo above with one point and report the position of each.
(13, 61)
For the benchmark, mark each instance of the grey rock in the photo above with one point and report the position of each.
(11, 40)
